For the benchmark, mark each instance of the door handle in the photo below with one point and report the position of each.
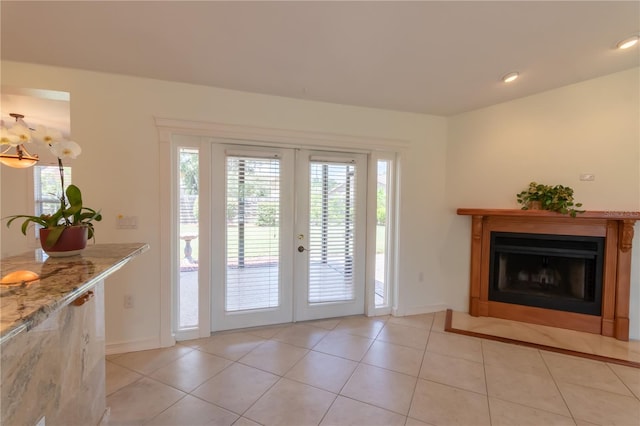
(302, 249)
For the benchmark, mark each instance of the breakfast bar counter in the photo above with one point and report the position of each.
(52, 334)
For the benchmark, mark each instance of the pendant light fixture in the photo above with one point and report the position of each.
(16, 136)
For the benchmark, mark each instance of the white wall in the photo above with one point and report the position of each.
(552, 137)
(112, 117)
(479, 159)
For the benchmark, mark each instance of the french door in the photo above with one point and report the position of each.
(290, 235)
(330, 230)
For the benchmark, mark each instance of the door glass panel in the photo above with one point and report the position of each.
(252, 233)
(382, 204)
(331, 232)
(188, 228)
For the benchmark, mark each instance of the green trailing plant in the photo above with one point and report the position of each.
(556, 198)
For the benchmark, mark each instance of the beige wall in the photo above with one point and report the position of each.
(552, 137)
(479, 159)
(112, 117)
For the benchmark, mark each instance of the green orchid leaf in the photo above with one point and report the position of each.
(74, 196)
(54, 235)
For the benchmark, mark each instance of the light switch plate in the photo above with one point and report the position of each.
(126, 222)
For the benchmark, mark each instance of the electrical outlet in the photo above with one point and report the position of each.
(128, 301)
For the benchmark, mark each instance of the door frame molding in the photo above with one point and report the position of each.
(281, 138)
(209, 133)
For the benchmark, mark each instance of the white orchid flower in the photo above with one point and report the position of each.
(65, 149)
(47, 135)
(7, 138)
(22, 131)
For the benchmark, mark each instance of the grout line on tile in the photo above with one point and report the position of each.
(415, 386)
(146, 422)
(536, 408)
(623, 381)
(335, 398)
(557, 386)
(259, 398)
(486, 382)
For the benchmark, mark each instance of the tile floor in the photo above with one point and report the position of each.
(365, 371)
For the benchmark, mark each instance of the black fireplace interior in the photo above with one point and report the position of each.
(561, 272)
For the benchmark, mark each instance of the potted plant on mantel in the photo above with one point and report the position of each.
(556, 198)
(64, 232)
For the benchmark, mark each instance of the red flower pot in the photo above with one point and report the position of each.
(71, 242)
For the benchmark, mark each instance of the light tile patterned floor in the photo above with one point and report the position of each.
(365, 371)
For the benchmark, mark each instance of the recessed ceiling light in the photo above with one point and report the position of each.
(628, 42)
(508, 78)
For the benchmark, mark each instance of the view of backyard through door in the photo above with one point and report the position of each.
(290, 217)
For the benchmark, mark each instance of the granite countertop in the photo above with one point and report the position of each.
(25, 305)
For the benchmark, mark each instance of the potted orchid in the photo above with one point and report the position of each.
(65, 231)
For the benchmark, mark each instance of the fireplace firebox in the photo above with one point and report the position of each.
(560, 272)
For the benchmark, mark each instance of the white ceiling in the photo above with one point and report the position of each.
(438, 58)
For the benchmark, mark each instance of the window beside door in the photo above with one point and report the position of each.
(381, 234)
(383, 214)
(188, 237)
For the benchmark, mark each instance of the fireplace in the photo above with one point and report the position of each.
(560, 272)
(551, 269)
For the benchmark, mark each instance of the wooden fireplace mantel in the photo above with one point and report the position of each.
(615, 226)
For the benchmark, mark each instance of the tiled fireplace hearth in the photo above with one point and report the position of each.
(546, 268)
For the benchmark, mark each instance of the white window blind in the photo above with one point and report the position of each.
(331, 235)
(253, 233)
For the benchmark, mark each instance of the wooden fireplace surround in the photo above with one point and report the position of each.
(617, 229)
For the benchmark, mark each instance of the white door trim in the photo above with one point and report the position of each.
(282, 138)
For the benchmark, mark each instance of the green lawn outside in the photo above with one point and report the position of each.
(267, 234)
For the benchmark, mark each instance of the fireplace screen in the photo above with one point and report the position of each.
(561, 272)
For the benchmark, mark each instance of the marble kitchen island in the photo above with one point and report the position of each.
(52, 341)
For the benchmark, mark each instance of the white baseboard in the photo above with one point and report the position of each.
(417, 310)
(188, 335)
(132, 346)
